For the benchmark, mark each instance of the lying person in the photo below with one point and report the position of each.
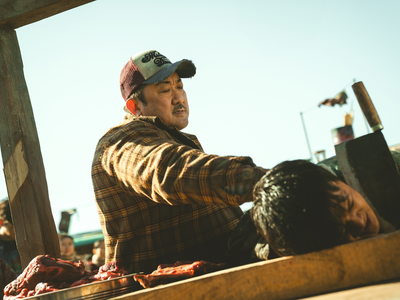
(300, 207)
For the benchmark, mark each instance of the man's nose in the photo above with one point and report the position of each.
(355, 225)
(177, 96)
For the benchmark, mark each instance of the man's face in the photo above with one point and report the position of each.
(166, 100)
(359, 219)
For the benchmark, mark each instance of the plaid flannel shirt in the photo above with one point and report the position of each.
(161, 199)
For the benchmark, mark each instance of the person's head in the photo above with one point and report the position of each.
(300, 207)
(5, 212)
(151, 86)
(67, 247)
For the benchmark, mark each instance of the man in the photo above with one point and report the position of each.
(160, 198)
(300, 207)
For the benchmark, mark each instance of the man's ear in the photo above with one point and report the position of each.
(133, 108)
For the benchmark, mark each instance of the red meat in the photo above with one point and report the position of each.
(43, 287)
(46, 274)
(114, 267)
(180, 270)
(43, 268)
(108, 271)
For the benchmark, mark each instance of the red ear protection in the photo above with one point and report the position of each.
(131, 106)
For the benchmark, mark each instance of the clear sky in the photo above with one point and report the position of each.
(259, 64)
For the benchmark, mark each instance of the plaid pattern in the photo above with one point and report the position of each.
(161, 199)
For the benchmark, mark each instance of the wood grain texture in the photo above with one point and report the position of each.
(17, 166)
(351, 265)
(383, 291)
(17, 13)
(24, 170)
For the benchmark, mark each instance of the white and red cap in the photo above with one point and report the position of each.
(151, 67)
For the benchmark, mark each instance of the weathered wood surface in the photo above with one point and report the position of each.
(23, 164)
(352, 265)
(383, 291)
(17, 13)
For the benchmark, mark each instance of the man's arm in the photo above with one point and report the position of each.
(148, 161)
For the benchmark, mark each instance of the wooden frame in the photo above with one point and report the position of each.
(347, 266)
(23, 163)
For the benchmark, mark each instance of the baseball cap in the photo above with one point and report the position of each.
(151, 67)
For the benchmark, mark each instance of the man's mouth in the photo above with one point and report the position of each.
(180, 109)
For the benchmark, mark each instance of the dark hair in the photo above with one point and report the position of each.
(138, 94)
(295, 208)
(62, 236)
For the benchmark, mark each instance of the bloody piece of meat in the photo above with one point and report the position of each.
(44, 287)
(180, 270)
(46, 274)
(24, 293)
(84, 280)
(107, 271)
(114, 267)
(106, 275)
(43, 268)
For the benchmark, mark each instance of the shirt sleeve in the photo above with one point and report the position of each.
(148, 162)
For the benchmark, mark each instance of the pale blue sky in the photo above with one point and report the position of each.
(259, 64)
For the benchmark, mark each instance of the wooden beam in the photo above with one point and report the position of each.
(23, 164)
(352, 265)
(383, 291)
(17, 13)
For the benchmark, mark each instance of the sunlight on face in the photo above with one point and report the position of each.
(359, 219)
(166, 100)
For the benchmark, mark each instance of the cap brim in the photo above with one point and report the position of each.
(184, 68)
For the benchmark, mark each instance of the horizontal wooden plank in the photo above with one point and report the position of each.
(17, 13)
(351, 265)
(383, 291)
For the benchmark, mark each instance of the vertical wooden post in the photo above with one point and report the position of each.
(23, 164)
